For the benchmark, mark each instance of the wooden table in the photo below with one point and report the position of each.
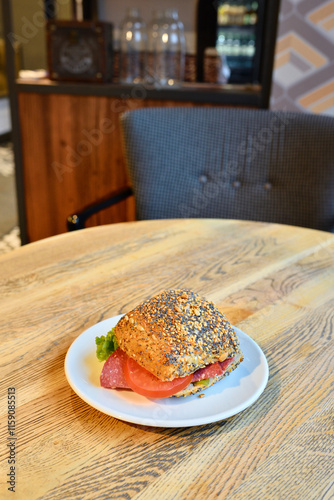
(273, 282)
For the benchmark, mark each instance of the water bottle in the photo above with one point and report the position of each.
(133, 47)
(154, 29)
(167, 44)
(182, 45)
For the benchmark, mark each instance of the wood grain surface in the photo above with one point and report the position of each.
(274, 282)
(73, 156)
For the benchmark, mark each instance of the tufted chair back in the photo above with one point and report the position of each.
(231, 163)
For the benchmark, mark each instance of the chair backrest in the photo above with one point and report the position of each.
(231, 163)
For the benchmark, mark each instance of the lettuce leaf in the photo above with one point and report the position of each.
(105, 345)
(204, 381)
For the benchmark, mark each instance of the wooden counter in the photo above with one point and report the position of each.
(71, 145)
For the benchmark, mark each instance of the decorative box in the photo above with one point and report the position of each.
(80, 50)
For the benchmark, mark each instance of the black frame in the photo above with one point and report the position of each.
(14, 111)
(78, 220)
(265, 30)
(89, 10)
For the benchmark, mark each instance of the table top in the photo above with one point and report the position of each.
(274, 282)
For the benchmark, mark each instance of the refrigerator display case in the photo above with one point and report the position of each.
(240, 33)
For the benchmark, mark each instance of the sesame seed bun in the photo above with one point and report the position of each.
(175, 333)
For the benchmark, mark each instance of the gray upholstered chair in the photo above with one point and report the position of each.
(230, 163)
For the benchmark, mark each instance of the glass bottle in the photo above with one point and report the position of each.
(182, 45)
(133, 48)
(167, 42)
(153, 44)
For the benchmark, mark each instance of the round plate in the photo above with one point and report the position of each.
(226, 398)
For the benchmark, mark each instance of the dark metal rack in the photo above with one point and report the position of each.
(12, 91)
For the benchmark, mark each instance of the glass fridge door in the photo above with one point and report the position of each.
(234, 29)
(237, 38)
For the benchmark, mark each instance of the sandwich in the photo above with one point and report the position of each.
(176, 343)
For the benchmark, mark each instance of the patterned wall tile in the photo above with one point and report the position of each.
(320, 100)
(304, 62)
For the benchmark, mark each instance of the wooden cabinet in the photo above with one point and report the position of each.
(72, 156)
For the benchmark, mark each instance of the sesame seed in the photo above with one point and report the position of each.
(198, 329)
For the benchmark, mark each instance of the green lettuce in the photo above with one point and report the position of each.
(106, 345)
(204, 381)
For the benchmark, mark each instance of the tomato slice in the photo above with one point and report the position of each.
(143, 382)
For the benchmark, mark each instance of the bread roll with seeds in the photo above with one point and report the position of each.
(176, 333)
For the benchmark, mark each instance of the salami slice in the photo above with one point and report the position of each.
(209, 371)
(213, 370)
(224, 364)
(112, 375)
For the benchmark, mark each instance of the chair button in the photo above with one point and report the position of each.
(203, 179)
(268, 186)
(236, 184)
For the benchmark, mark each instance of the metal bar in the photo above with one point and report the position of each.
(236, 95)
(14, 111)
(269, 43)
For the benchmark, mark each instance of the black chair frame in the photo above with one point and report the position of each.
(78, 220)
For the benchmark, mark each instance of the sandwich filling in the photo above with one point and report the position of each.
(176, 343)
(116, 375)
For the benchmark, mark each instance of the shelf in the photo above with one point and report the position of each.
(235, 95)
(238, 27)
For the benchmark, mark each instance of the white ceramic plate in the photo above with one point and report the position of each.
(226, 398)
